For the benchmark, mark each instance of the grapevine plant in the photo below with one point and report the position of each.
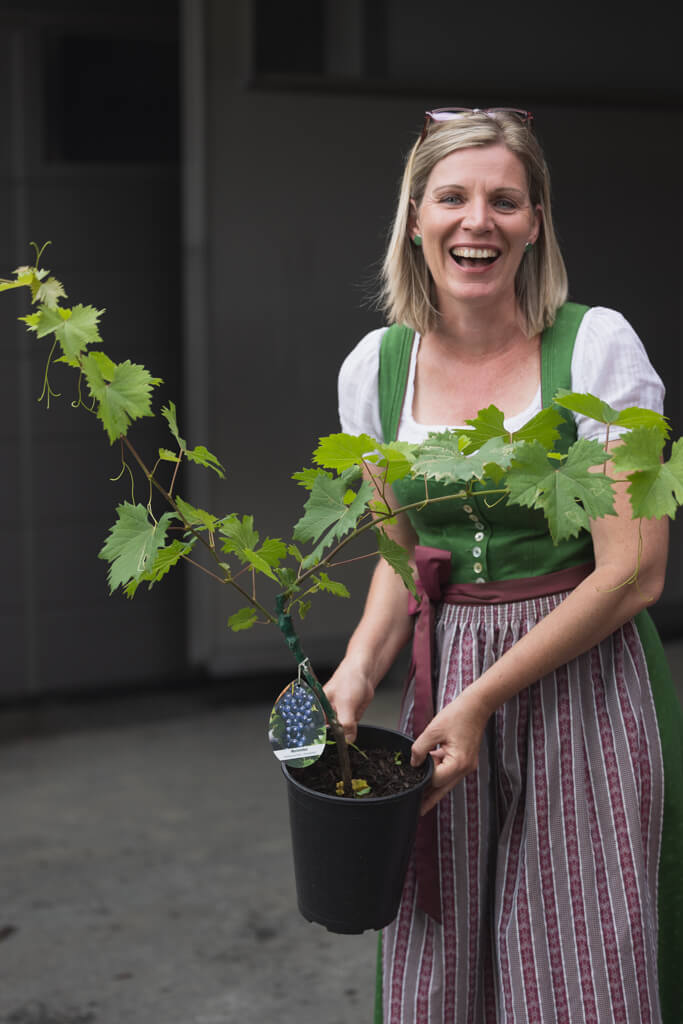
(347, 484)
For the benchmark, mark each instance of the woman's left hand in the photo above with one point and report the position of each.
(457, 732)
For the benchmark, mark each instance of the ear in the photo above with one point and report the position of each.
(413, 221)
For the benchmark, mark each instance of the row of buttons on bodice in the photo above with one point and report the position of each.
(480, 540)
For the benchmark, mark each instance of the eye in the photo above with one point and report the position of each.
(505, 204)
(452, 199)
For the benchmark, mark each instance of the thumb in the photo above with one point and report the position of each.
(421, 747)
(347, 720)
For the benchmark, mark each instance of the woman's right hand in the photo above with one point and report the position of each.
(349, 692)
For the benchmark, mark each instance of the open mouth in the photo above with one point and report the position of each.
(467, 256)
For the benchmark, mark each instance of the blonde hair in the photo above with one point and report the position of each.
(407, 294)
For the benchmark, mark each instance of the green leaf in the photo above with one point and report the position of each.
(287, 578)
(331, 586)
(245, 618)
(397, 459)
(203, 457)
(165, 559)
(440, 458)
(326, 517)
(542, 428)
(132, 543)
(273, 551)
(169, 414)
(655, 487)
(569, 494)
(632, 417)
(639, 450)
(304, 608)
(241, 539)
(196, 517)
(32, 321)
(74, 329)
(307, 477)
(239, 533)
(586, 404)
(25, 277)
(341, 451)
(635, 416)
(49, 292)
(124, 394)
(487, 425)
(166, 455)
(45, 320)
(200, 455)
(398, 559)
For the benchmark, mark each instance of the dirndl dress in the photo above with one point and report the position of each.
(556, 863)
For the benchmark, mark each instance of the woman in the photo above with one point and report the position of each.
(534, 889)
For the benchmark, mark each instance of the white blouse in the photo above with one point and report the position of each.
(609, 360)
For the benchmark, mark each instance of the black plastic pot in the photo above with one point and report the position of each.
(351, 856)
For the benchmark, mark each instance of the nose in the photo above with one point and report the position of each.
(477, 214)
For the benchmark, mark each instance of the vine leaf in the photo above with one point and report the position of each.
(203, 457)
(24, 277)
(74, 329)
(569, 494)
(323, 582)
(542, 427)
(487, 424)
(440, 458)
(169, 414)
(586, 405)
(241, 540)
(342, 451)
(245, 618)
(196, 517)
(49, 292)
(123, 392)
(132, 543)
(200, 455)
(307, 477)
(327, 516)
(397, 557)
(630, 418)
(397, 458)
(164, 561)
(655, 487)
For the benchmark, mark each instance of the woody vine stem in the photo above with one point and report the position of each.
(347, 483)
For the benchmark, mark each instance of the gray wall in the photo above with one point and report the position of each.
(115, 231)
(285, 197)
(300, 184)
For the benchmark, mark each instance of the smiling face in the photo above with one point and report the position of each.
(475, 219)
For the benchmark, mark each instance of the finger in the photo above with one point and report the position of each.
(423, 745)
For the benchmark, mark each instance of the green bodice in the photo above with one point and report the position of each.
(488, 539)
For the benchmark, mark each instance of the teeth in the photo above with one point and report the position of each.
(474, 254)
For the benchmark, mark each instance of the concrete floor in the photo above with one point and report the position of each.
(146, 874)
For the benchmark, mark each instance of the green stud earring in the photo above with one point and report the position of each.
(417, 240)
(528, 247)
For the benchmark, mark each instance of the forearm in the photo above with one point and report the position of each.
(630, 567)
(384, 628)
(594, 610)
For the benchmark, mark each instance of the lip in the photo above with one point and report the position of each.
(484, 268)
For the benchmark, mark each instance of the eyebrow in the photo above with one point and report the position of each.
(501, 188)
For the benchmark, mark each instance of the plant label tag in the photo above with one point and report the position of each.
(297, 728)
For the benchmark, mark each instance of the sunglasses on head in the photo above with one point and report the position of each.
(453, 113)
